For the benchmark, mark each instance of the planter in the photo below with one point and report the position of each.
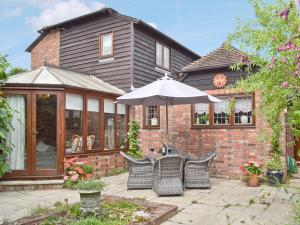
(90, 201)
(253, 180)
(275, 177)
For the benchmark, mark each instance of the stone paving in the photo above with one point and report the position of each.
(228, 202)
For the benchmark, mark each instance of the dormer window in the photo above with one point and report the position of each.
(106, 45)
(162, 56)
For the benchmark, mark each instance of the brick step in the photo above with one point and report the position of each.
(19, 185)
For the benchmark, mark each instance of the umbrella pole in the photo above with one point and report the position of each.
(167, 126)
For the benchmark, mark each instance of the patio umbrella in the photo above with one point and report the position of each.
(166, 91)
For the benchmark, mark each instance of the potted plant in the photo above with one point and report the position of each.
(253, 170)
(275, 170)
(90, 192)
(203, 119)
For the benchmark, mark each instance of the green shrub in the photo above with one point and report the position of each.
(275, 163)
(88, 185)
(132, 135)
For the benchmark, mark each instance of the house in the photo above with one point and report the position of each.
(66, 102)
(80, 66)
(197, 129)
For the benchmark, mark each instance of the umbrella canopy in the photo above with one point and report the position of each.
(166, 91)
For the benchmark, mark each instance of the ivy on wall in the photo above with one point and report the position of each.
(6, 116)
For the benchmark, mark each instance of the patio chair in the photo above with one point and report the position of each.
(168, 175)
(140, 173)
(196, 172)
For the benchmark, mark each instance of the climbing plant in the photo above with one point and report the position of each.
(132, 136)
(6, 116)
(271, 43)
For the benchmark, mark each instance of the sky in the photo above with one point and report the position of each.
(201, 25)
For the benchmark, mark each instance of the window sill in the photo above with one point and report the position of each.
(162, 70)
(223, 127)
(151, 127)
(100, 152)
(106, 59)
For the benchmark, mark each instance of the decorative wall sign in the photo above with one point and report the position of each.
(220, 80)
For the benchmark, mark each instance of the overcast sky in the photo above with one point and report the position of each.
(201, 25)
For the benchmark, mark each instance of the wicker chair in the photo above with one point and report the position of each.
(140, 173)
(168, 176)
(196, 172)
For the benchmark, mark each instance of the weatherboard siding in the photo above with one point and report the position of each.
(79, 50)
(203, 80)
(144, 59)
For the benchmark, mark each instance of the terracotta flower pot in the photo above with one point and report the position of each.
(253, 180)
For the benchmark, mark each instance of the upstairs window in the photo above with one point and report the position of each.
(106, 45)
(162, 56)
(151, 116)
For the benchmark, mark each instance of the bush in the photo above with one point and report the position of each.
(90, 185)
(132, 135)
(76, 170)
(275, 163)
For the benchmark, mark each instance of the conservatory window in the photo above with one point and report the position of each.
(109, 124)
(74, 123)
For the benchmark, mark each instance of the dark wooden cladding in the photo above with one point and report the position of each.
(144, 61)
(79, 50)
(203, 80)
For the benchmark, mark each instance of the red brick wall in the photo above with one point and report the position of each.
(104, 163)
(231, 145)
(47, 50)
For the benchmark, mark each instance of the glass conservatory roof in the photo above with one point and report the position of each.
(47, 75)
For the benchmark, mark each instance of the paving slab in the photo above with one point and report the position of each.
(227, 202)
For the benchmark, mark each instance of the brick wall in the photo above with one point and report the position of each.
(103, 164)
(47, 50)
(231, 145)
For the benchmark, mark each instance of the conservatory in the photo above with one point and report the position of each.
(60, 113)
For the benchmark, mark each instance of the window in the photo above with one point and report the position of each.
(201, 114)
(109, 124)
(217, 115)
(16, 137)
(121, 126)
(162, 56)
(221, 115)
(243, 110)
(74, 124)
(151, 116)
(93, 123)
(93, 117)
(106, 45)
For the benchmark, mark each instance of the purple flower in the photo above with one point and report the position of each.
(287, 46)
(284, 59)
(298, 65)
(285, 84)
(284, 14)
(296, 73)
(273, 60)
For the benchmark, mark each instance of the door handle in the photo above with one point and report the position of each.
(34, 132)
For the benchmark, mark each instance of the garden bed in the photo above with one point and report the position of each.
(114, 211)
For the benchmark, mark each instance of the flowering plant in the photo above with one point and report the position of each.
(251, 168)
(76, 170)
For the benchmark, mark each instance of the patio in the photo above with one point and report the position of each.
(228, 202)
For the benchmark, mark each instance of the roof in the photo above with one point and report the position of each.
(107, 11)
(219, 58)
(52, 76)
